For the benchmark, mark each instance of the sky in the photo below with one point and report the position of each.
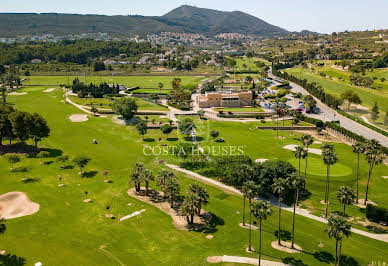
(324, 16)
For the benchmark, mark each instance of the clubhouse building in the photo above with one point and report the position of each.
(226, 98)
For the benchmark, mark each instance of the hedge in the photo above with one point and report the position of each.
(376, 214)
(183, 108)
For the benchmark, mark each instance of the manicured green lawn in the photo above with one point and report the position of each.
(128, 81)
(335, 87)
(67, 231)
(107, 104)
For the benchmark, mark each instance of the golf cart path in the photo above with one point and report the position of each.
(273, 201)
(244, 260)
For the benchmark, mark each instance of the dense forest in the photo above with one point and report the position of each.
(71, 51)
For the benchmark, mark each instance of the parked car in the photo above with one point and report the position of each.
(308, 111)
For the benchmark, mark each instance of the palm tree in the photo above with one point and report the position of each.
(189, 207)
(329, 157)
(261, 210)
(147, 177)
(346, 196)
(200, 192)
(306, 140)
(160, 85)
(279, 187)
(358, 147)
(251, 191)
(296, 183)
(137, 175)
(300, 153)
(163, 177)
(172, 190)
(374, 156)
(338, 228)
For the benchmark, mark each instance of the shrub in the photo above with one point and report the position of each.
(376, 214)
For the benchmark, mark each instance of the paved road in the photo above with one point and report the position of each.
(273, 201)
(328, 114)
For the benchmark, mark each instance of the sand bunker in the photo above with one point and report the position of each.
(16, 204)
(292, 147)
(286, 247)
(385, 177)
(49, 90)
(243, 260)
(78, 118)
(132, 215)
(261, 160)
(17, 93)
(156, 199)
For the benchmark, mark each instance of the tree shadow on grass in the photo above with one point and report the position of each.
(21, 169)
(48, 162)
(324, 256)
(293, 261)
(12, 260)
(3, 227)
(30, 180)
(19, 148)
(284, 235)
(172, 139)
(348, 261)
(210, 223)
(89, 174)
(52, 152)
(149, 140)
(67, 167)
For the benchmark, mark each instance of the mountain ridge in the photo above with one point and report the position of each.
(185, 18)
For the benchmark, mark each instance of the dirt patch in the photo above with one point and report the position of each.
(323, 202)
(246, 226)
(286, 247)
(361, 205)
(209, 237)
(385, 177)
(156, 199)
(16, 204)
(78, 118)
(49, 90)
(17, 93)
(292, 147)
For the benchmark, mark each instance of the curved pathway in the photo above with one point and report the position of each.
(244, 260)
(273, 201)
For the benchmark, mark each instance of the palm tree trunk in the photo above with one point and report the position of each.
(305, 169)
(344, 209)
(367, 184)
(339, 253)
(358, 168)
(280, 212)
(192, 218)
(243, 211)
(260, 242)
(299, 165)
(250, 225)
(146, 187)
(328, 190)
(336, 252)
(293, 219)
